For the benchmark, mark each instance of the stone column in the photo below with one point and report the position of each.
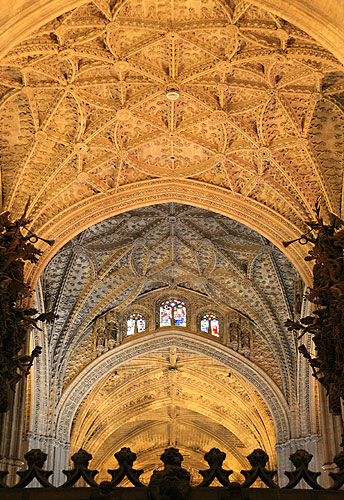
(11, 434)
(331, 431)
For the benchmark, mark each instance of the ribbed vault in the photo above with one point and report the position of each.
(173, 398)
(172, 387)
(133, 258)
(87, 119)
(137, 126)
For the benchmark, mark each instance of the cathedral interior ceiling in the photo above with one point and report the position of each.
(131, 259)
(113, 95)
(113, 100)
(175, 396)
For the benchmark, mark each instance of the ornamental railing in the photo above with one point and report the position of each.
(173, 481)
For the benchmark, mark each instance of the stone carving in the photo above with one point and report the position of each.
(215, 459)
(16, 247)
(86, 120)
(173, 482)
(138, 385)
(80, 470)
(125, 458)
(326, 323)
(300, 459)
(112, 261)
(265, 135)
(258, 460)
(35, 460)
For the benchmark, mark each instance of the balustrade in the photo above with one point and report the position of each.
(173, 481)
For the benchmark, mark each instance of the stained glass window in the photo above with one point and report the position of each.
(130, 326)
(210, 324)
(173, 312)
(165, 314)
(135, 324)
(141, 324)
(205, 325)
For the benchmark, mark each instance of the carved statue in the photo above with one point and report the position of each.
(111, 330)
(245, 339)
(234, 332)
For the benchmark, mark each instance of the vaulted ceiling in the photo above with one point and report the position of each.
(115, 108)
(168, 247)
(172, 396)
(115, 99)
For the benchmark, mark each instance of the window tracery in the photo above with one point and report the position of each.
(210, 324)
(136, 323)
(172, 313)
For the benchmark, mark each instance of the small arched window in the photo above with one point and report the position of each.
(172, 313)
(135, 324)
(210, 324)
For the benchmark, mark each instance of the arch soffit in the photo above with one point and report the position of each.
(194, 427)
(86, 213)
(88, 426)
(322, 20)
(91, 375)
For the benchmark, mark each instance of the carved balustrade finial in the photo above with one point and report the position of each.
(171, 456)
(300, 459)
(258, 460)
(35, 461)
(125, 455)
(258, 457)
(35, 457)
(215, 459)
(125, 458)
(80, 460)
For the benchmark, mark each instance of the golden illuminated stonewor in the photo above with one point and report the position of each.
(179, 399)
(85, 116)
(136, 126)
(167, 382)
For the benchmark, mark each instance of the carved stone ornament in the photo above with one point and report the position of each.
(81, 470)
(258, 460)
(171, 483)
(125, 458)
(215, 459)
(300, 459)
(35, 460)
